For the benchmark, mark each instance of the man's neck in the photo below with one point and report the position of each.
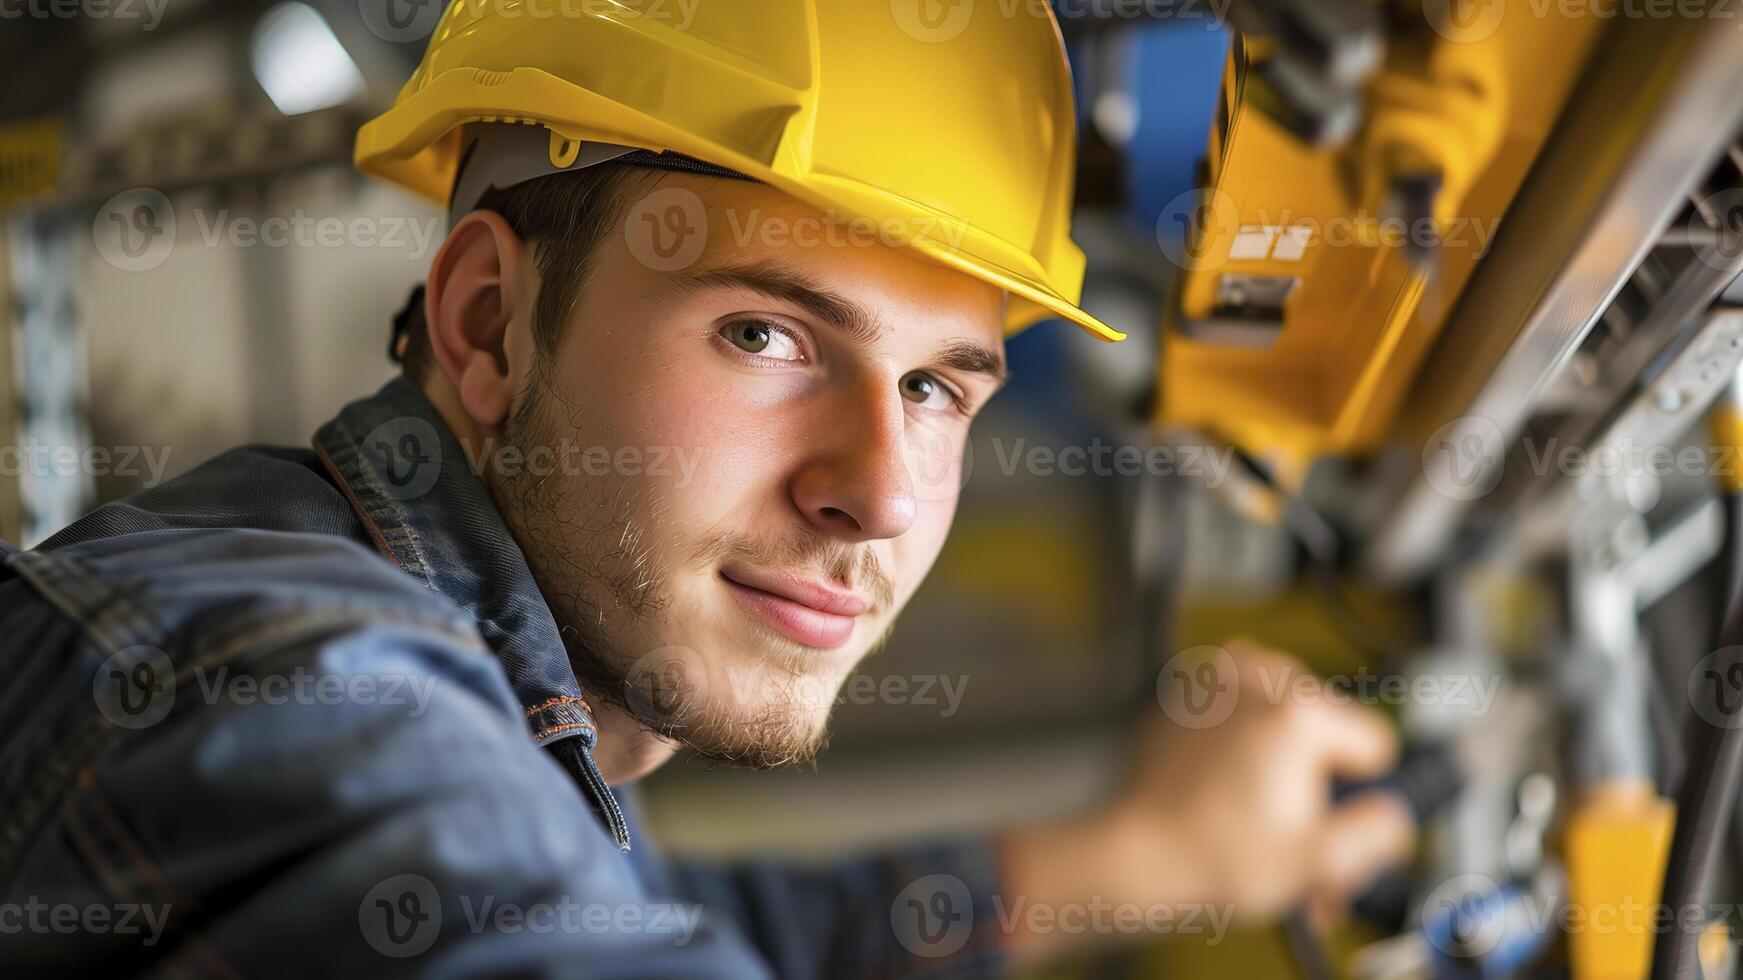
(627, 750)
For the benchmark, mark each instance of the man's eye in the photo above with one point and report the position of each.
(926, 391)
(762, 339)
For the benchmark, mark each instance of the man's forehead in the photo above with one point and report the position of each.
(742, 223)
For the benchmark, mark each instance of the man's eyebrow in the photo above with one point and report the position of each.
(859, 324)
(975, 358)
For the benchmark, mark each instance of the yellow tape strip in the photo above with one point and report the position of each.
(1725, 425)
(30, 159)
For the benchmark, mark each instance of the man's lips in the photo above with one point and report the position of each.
(804, 611)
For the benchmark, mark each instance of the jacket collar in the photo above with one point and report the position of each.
(425, 508)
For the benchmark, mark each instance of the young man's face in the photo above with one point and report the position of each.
(761, 414)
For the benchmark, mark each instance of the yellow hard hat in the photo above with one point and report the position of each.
(952, 120)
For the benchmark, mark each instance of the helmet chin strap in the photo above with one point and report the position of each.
(501, 155)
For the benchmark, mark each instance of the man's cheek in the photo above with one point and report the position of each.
(915, 552)
(938, 465)
(697, 445)
(690, 451)
(732, 454)
(932, 521)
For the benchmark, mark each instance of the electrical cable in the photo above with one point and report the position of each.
(1731, 582)
(1708, 793)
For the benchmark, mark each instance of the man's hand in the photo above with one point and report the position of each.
(1229, 806)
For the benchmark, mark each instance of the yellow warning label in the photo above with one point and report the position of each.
(30, 159)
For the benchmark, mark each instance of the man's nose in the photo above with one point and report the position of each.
(856, 485)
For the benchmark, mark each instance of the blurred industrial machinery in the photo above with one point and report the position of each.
(1465, 321)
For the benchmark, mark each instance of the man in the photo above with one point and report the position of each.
(669, 456)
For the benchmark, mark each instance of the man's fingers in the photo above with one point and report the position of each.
(1354, 741)
(1361, 838)
(1357, 742)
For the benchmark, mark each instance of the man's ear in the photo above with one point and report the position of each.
(480, 284)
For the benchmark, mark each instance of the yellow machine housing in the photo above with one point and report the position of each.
(1302, 319)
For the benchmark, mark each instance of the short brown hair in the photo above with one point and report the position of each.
(562, 218)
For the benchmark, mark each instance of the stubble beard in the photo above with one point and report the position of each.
(586, 541)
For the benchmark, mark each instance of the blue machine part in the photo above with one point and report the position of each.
(1174, 72)
(1481, 932)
